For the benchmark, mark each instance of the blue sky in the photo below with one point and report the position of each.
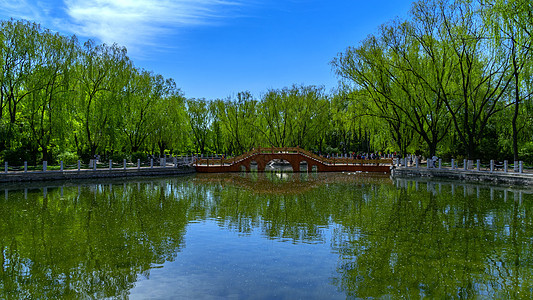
(217, 48)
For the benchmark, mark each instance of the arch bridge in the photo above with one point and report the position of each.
(294, 156)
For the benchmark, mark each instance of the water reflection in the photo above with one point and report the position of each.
(87, 240)
(388, 238)
(285, 182)
(468, 189)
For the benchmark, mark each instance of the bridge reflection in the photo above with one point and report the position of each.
(285, 182)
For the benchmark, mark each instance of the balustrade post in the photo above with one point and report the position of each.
(477, 165)
(94, 164)
(417, 161)
(440, 163)
(465, 164)
(110, 164)
(492, 165)
(25, 166)
(138, 163)
(6, 168)
(45, 165)
(505, 165)
(151, 163)
(79, 165)
(61, 167)
(453, 162)
(124, 162)
(521, 167)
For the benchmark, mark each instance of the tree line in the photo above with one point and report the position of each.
(60, 100)
(452, 79)
(63, 100)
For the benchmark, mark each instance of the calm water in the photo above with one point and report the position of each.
(263, 236)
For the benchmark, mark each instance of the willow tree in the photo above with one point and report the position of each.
(238, 117)
(435, 67)
(404, 70)
(295, 116)
(51, 84)
(342, 121)
(18, 53)
(365, 69)
(101, 71)
(275, 114)
(169, 124)
(420, 69)
(311, 114)
(142, 90)
(200, 119)
(510, 23)
(221, 137)
(479, 74)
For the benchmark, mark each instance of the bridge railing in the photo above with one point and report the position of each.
(346, 160)
(217, 161)
(236, 159)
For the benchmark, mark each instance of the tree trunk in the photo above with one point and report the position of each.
(516, 108)
(45, 153)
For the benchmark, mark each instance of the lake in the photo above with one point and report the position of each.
(264, 236)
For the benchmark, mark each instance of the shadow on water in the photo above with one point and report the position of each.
(391, 238)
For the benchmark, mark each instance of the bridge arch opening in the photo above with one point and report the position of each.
(278, 165)
(253, 166)
(303, 166)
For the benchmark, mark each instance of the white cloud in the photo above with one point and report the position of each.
(21, 9)
(134, 23)
(131, 23)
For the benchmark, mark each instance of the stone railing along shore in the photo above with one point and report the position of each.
(502, 172)
(94, 169)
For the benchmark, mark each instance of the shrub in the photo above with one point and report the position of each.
(526, 153)
(68, 158)
(118, 156)
(138, 155)
(15, 157)
(331, 150)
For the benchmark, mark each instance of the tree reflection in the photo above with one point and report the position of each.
(91, 242)
(415, 239)
(435, 245)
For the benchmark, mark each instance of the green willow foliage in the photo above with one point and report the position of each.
(58, 97)
(453, 79)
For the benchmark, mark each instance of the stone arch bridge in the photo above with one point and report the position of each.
(294, 156)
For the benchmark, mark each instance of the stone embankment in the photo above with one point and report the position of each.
(22, 176)
(524, 178)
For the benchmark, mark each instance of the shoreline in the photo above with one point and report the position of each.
(21, 176)
(464, 175)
